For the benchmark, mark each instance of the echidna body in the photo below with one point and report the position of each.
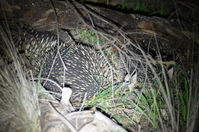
(71, 65)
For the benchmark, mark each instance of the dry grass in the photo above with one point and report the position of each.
(19, 108)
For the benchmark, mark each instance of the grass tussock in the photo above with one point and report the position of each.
(19, 108)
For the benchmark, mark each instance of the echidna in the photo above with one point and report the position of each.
(71, 65)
